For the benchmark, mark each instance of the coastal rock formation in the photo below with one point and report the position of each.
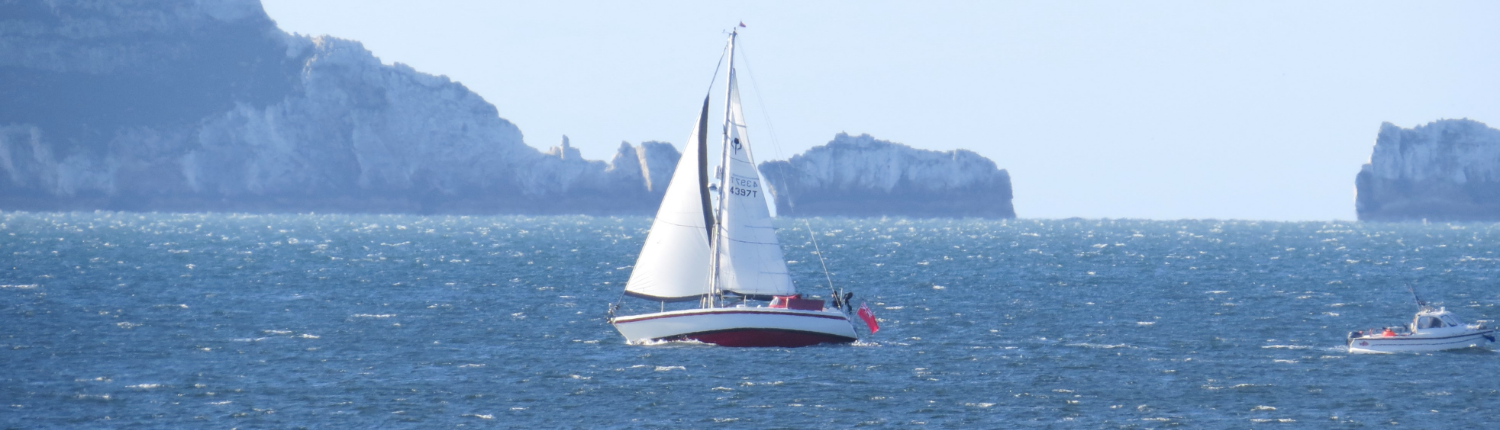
(1447, 170)
(861, 176)
(190, 105)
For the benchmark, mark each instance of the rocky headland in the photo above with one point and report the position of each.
(862, 176)
(1447, 170)
(190, 105)
(205, 105)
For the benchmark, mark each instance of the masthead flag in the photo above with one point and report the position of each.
(742, 23)
(869, 317)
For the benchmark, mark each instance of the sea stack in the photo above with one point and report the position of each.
(1447, 170)
(860, 176)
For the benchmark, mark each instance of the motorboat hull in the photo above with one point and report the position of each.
(739, 327)
(1420, 342)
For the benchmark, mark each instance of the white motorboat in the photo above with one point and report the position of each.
(1430, 330)
(715, 273)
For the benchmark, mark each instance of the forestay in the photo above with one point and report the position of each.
(750, 258)
(674, 263)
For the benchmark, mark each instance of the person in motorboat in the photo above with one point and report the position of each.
(1430, 330)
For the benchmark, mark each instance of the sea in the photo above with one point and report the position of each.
(158, 320)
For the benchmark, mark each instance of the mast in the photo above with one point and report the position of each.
(713, 271)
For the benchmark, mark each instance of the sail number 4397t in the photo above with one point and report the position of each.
(743, 192)
(736, 190)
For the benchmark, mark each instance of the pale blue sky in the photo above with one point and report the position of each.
(1162, 110)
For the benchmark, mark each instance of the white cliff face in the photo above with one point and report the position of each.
(862, 176)
(864, 163)
(195, 105)
(562, 171)
(1442, 151)
(206, 105)
(107, 36)
(1445, 170)
(362, 125)
(659, 159)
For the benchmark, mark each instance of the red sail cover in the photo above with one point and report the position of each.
(869, 317)
(796, 302)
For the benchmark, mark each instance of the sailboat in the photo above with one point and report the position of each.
(723, 254)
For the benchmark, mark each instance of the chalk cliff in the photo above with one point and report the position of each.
(862, 176)
(206, 105)
(1447, 170)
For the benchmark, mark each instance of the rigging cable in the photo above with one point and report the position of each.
(771, 130)
(717, 67)
(814, 236)
(836, 298)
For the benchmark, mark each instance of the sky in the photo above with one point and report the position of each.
(1152, 109)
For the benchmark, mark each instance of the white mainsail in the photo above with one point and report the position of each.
(674, 263)
(750, 259)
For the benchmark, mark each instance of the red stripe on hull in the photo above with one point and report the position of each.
(764, 338)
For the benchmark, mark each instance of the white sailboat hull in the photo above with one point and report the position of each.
(1454, 339)
(739, 326)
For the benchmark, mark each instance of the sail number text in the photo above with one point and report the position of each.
(738, 191)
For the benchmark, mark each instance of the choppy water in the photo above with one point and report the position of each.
(167, 320)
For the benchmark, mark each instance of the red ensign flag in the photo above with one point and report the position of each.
(869, 317)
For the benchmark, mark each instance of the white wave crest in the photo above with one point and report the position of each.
(1101, 346)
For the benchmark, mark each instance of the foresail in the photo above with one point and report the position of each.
(750, 258)
(674, 263)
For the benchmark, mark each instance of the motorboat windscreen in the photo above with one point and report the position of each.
(1426, 322)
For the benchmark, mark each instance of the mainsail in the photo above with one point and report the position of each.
(749, 256)
(674, 263)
